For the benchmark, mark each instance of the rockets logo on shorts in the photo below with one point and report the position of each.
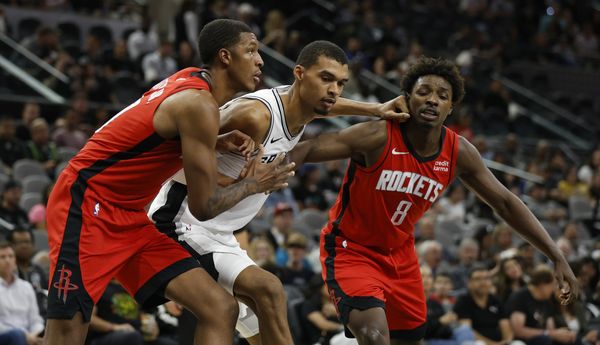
(64, 285)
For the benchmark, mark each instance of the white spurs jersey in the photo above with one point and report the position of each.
(169, 209)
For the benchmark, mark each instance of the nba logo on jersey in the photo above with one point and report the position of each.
(97, 209)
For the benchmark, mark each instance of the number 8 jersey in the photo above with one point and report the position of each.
(379, 205)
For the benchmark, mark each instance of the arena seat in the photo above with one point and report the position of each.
(35, 183)
(27, 167)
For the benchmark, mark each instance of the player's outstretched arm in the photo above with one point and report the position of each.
(352, 142)
(478, 178)
(396, 109)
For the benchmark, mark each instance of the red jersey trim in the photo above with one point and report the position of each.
(455, 146)
(414, 153)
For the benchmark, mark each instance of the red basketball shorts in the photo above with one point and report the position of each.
(361, 278)
(92, 241)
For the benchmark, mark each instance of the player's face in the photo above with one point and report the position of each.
(430, 101)
(246, 62)
(322, 83)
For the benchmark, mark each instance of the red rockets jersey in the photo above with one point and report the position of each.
(378, 206)
(126, 161)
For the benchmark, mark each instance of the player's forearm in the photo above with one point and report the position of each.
(518, 216)
(225, 198)
(345, 106)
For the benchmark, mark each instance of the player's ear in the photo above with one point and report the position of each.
(298, 72)
(224, 56)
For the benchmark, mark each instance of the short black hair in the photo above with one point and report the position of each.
(310, 53)
(435, 66)
(219, 34)
(10, 237)
(477, 268)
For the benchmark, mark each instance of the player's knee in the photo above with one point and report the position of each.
(217, 304)
(270, 290)
(368, 334)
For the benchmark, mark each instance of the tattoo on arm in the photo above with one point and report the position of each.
(224, 198)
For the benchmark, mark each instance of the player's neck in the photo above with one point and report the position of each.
(425, 140)
(297, 114)
(221, 88)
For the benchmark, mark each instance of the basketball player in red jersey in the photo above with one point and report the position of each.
(97, 225)
(396, 172)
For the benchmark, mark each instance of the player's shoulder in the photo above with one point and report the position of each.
(246, 112)
(192, 101)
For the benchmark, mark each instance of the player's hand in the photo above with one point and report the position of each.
(396, 109)
(236, 141)
(567, 283)
(268, 177)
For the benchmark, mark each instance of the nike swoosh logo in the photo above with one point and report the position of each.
(273, 140)
(394, 152)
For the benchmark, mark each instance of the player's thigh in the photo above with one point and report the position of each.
(371, 319)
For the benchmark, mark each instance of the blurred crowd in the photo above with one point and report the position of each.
(483, 282)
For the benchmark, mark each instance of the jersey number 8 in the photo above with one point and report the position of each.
(401, 212)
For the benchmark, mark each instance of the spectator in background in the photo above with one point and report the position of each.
(118, 61)
(246, 13)
(509, 278)
(142, 41)
(586, 41)
(528, 257)
(586, 271)
(274, 31)
(463, 123)
(296, 271)
(20, 321)
(533, 311)
(543, 208)
(318, 315)
(283, 216)
(69, 133)
(44, 44)
(468, 252)
(442, 291)
(574, 315)
(479, 309)
(40, 148)
(12, 216)
(118, 320)
(261, 251)
(441, 323)
(571, 186)
(571, 235)
(451, 207)
(586, 172)
(425, 229)
(11, 148)
(594, 223)
(484, 236)
(37, 213)
(30, 112)
(430, 255)
(186, 57)
(22, 242)
(502, 238)
(307, 192)
(159, 64)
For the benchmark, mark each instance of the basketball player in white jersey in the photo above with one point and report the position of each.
(276, 118)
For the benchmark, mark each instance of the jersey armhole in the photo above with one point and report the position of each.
(453, 155)
(383, 155)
